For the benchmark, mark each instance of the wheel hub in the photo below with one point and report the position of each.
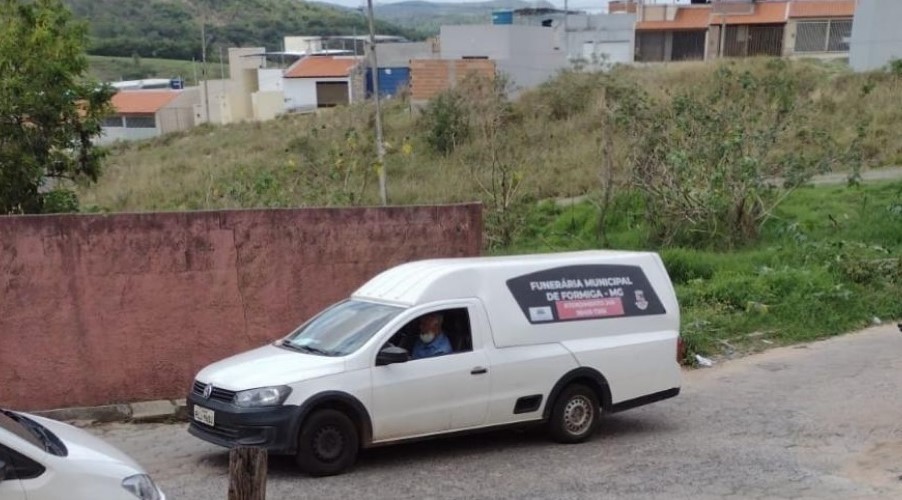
(328, 443)
(578, 415)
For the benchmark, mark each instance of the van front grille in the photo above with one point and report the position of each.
(218, 394)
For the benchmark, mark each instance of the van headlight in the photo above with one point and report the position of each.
(141, 485)
(264, 396)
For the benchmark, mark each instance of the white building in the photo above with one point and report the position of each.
(320, 81)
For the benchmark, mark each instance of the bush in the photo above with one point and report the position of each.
(446, 122)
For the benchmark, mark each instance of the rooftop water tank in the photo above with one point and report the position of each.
(503, 17)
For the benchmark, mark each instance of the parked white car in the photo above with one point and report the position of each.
(444, 346)
(42, 459)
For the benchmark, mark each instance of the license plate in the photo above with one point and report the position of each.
(204, 415)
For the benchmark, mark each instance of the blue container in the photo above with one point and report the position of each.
(503, 17)
(391, 80)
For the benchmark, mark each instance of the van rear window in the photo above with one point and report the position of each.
(574, 293)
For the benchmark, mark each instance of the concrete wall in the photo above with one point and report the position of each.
(876, 37)
(397, 55)
(528, 55)
(268, 105)
(608, 36)
(219, 112)
(178, 114)
(106, 309)
(110, 135)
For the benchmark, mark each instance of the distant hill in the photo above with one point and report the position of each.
(428, 17)
(172, 28)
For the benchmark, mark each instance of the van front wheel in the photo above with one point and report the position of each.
(327, 444)
(575, 415)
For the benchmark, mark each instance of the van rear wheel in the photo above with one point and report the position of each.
(575, 415)
(327, 444)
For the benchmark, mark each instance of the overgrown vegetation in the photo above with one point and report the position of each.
(829, 261)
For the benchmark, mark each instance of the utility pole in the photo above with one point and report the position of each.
(374, 74)
(203, 48)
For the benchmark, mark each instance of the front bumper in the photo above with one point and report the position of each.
(274, 429)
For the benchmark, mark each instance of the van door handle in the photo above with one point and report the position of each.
(479, 370)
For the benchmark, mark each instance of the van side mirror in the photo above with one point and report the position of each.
(391, 355)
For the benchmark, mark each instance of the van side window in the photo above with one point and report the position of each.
(19, 466)
(454, 326)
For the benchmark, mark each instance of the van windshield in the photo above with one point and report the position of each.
(341, 329)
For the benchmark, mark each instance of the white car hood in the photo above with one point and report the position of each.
(85, 447)
(267, 366)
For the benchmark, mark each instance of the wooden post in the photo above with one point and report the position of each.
(247, 474)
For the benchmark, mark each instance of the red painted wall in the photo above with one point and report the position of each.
(111, 309)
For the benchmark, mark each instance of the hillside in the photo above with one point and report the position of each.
(428, 17)
(171, 29)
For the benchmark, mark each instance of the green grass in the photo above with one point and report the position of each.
(112, 69)
(830, 262)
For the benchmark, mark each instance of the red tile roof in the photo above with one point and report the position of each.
(321, 67)
(142, 101)
(822, 8)
(687, 18)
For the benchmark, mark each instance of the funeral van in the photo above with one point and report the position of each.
(444, 346)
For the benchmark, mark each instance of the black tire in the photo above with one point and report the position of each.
(575, 416)
(327, 444)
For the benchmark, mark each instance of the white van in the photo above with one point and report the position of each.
(554, 339)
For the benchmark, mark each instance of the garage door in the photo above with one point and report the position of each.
(330, 94)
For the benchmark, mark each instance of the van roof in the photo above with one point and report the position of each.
(464, 277)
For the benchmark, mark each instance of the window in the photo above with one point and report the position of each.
(453, 324)
(148, 121)
(341, 329)
(823, 36)
(19, 466)
(112, 121)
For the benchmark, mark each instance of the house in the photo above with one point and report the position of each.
(742, 28)
(142, 114)
(672, 32)
(320, 81)
(876, 39)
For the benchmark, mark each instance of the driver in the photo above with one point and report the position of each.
(432, 341)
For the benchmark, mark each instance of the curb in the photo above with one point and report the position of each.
(140, 412)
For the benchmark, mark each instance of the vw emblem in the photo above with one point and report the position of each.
(208, 390)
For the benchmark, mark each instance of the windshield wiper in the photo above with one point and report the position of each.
(305, 349)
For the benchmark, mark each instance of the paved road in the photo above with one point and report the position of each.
(814, 421)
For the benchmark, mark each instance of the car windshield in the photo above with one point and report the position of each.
(32, 432)
(341, 329)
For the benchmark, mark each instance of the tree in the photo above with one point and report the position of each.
(49, 111)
